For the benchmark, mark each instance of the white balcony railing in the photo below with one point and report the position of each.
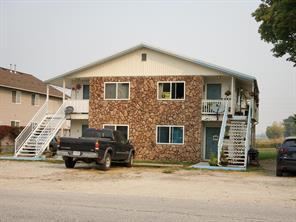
(80, 106)
(214, 106)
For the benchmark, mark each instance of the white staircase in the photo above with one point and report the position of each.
(36, 136)
(236, 144)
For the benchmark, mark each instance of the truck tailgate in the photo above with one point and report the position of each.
(78, 144)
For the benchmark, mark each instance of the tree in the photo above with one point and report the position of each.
(278, 26)
(290, 126)
(276, 130)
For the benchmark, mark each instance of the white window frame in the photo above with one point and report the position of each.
(17, 93)
(159, 82)
(36, 95)
(112, 124)
(16, 121)
(116, 93)
(170, 130)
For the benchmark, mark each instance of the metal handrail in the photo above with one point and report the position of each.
(248, 135)
(222, 131)
(49, 130)
(30, 127)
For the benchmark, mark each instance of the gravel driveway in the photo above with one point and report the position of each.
(134, 193)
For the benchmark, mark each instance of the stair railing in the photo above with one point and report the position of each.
(248, 135)
(30, 127)
(222, 131)
(50, 130)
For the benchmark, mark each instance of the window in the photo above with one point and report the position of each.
(35, 99)
(123, 129)
(171, 90)
(117, 91)
(84, 127)
(144, 57)
(289, 143)
(16, 97)
(170, 134)
(85, 92)
(15, 123)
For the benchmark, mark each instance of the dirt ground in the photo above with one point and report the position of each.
(251, 187)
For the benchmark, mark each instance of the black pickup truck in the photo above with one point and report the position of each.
(98, 145)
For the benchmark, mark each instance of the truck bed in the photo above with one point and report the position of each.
(80, 144)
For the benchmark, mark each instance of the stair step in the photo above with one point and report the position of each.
(28, 152)
(42, 133)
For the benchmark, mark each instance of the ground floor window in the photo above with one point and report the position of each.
(170, 134)
(15, 123)
(84, 127)
(121, 128)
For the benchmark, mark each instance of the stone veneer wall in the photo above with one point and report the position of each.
(143, 112)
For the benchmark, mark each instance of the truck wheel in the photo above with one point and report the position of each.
(130, 160)
(69, 163)
(107, 162)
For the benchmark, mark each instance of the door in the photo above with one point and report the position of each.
(213, 91)
(212, 138)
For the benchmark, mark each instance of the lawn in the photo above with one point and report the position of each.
(267, 153)
(6, 149)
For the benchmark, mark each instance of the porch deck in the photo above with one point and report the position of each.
(205, 165)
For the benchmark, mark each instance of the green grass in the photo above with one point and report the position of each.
(165, 162)
(267, 153)
(169, 170)
(54, 161)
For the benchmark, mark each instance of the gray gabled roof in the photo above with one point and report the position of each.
(144, 45)
(25, 82)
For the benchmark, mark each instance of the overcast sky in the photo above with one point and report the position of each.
(47, 38)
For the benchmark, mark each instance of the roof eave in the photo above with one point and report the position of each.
(144, 45)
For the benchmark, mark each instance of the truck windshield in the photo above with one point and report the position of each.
(98, 133)
(290, 143)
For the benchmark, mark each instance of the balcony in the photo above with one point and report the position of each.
(213, 106)
(80, 106)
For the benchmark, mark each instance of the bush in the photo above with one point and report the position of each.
(4, 131)
(11, 132)
(213, 160)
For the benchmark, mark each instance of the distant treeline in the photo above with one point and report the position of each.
(268, 143)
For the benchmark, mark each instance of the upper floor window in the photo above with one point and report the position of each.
(171, 90)
(16, 97)
(117, 90)
(35, 99)
(144, 57)
(15, 123)
(170, 134)
(85, 92)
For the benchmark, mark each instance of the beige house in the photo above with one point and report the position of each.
(22, 95)
(169, 106)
